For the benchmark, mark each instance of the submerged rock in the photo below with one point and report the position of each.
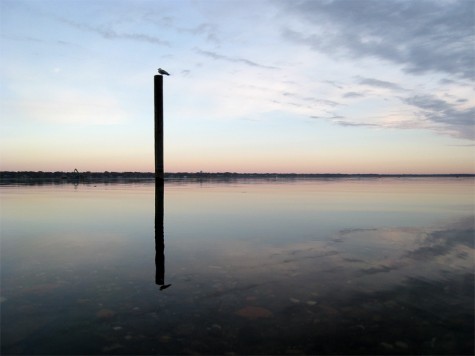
(251, 312)
(164, 338)
(215, 329)
(105, 314)
(386, 345)
(111, 347)
(401, 344)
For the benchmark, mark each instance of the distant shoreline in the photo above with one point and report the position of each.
(7, 177)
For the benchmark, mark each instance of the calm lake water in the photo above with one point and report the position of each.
(371, 266)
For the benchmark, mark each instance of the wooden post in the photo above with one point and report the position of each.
(159, 185)
(158, 100)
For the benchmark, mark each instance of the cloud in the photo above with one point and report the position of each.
(353, 94)
(306, 99)
(348, 122)
(355, 124)
(404, 108)
(204, 29)
(110, 34)
(461, 122)
(379, 83)
(218, 56)
(21, 38)
(422, 36)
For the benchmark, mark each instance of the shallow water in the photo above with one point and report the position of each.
(348, 266)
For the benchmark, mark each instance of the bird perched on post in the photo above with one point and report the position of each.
(163, 72)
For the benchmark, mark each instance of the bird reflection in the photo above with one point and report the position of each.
(159, 236)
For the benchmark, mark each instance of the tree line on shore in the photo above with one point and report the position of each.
(59, 176)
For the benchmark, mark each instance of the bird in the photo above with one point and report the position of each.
(164, 72)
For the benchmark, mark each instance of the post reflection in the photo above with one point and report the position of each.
(159, 235)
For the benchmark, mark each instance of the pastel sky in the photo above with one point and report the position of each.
(306, 86)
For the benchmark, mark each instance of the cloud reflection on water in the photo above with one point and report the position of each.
(354, 260)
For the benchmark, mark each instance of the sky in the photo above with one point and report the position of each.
(303, 86)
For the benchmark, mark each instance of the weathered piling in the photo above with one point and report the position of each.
(159, 183)
(158, 101)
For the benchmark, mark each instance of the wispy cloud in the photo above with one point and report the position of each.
(355, 124)
(353, 94)
(208, 30)
(379, 83)
(222, 57)
(111, 34)
(305, 100)
(460, 121)
(428, 113)
(21, 38)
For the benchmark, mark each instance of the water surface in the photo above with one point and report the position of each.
(346, 266)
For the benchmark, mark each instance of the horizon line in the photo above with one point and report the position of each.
(243, 173)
